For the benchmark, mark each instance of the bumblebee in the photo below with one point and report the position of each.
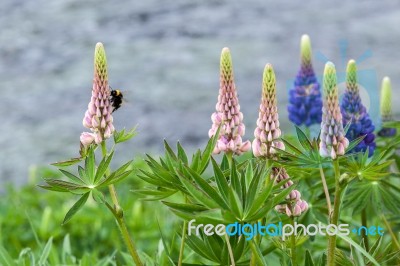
(116, 99)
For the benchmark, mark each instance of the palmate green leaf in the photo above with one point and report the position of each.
(185, 207)
(195, 160)
(354, 143)
(61, 185)
(76, 207)
(51, 188)
(182, 154)
(358, 248)
(235, 182)
(198, 246)
(73, 177)
(114, 178)
(254, 187)
(259, 200)
(160, 170)
(82, 174)
(205, 187)
(90, 165)
(342, 259)
(69, 162)
(212, 216)
(235, 204)
(98, 196)
(257, 252)
(155, 194)
(123, 136)
(222, 184)
(199, 195)
(302, 138)
(103, 166)
(205, 157)
(169, 151)
(322, 261)
(46, 252)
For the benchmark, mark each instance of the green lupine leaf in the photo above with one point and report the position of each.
(303, 139)
(323, 260)
(69, 162)
(257, 253)
(196, 160)
(46, 252)
(235, 204)
(76, 207)
(82, 174)
(5, 257)
(205, 157)
(26, 252)
(198, 246)
(98, 196)
(182, 154)
(51, 188)
(169, 151)
(90, 166)
(57, 183)
(208, 190)
(253, 189)
(248, 175)
(185, 207)
(199, 195)
(152, 195)
(279, 198)
(73, 177)
(114, 178)
(123, 136)
(103, 166)
(358, 248)
(235, 183)
(222, 184)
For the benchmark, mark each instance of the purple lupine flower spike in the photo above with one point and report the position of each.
(333, 141)
(228, 112)
(355, 113)
(98, 117)
(305, 103)
(386, 108)
(267, 132)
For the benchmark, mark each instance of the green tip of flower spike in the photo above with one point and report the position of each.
(330, 79)
(305, 49)
(226, 64)
(100, 61)
(269, 80)
(351, 76)
(386, 99)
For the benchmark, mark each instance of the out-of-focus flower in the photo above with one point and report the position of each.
(98, 117)
(267, 132)
(228, 112)
(305, 103)
(333, 142)
(355, 113)
(295, 206)
(386, 108)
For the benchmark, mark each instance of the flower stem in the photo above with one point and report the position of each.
(326, 191)
(334, 217)
(392, 234)
(364, 223)
(118, 213)
(229, 157)
(293, 244)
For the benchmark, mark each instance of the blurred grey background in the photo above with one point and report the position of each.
(165, 54)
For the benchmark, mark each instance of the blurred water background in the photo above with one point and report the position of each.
(165, 54)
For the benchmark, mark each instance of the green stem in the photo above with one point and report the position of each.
(326, 191)
(229, 157)
(334, 218)
(293, 244)
(364, 223)
(392, 234)
(118, 213)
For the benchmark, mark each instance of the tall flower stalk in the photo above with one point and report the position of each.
(355, 113)
(228, 114)
(386, 108)
(333, 144)
(305, 101)
(267, 140)
(99, 120)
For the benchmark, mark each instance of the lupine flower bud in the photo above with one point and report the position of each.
(355, 113)
(305, 103)
(267, 132)
(228, 112)
(386, 108)
(98, 117)
(87, 138)
(333, 142)
(296, 206)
